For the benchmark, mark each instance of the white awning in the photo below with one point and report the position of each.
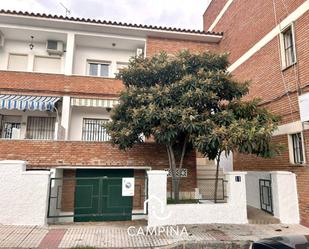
(110, 103)
(32, 103)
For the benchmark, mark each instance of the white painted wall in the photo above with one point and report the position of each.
(23, 194)
(232, 212)
(285, 198)
(22, 47)
(253, 187)
(77, 115)
(82, 54)
(284, 193)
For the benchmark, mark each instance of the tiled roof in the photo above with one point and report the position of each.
(112, 23)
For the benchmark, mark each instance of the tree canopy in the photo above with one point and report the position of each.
(189, 100)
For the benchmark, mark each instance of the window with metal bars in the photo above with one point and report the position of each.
(41, 128)
(297, 148)
(8, 129)
(93, 130)
(289, 47)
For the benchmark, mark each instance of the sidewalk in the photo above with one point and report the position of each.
(114, 235)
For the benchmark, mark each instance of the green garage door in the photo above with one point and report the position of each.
(98, 195)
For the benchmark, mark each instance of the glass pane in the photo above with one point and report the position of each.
(93, 69)
(288, 38)
(297, 148)
(104, 70)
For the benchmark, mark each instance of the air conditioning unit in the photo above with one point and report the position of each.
(1, 39)
(139, 52)
(54, 47)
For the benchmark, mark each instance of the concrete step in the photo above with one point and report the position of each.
(264, 222)
(258, 216)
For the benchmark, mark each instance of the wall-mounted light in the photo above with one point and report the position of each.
(31, 45)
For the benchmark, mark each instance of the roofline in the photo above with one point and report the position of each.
(114, 24)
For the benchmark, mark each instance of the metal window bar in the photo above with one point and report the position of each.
(297, 148)
(41, 128)
(93, 130)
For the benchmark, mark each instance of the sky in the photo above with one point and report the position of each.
(172, 13)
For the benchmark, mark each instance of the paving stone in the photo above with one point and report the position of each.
(115, 235)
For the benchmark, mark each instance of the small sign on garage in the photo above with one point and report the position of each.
(128, 186)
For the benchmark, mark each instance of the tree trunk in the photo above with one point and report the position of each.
(217, 176)
(173, 167)
(176, 188)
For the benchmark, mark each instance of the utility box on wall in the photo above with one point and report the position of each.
(304, 107)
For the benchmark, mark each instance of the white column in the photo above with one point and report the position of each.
(236, 192)
(157, 188)
(285, 199)
(65, 117)
(69, 56)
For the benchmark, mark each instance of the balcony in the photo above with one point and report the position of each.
(58, 84)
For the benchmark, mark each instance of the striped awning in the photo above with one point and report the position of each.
(94, 102)
(32, 103)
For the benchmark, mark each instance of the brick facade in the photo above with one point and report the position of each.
(244, 24)
(49, 154)
(281, 162)
(172, 46)
(212, 12)
(58, 84)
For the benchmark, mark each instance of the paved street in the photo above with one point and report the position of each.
(115, 235)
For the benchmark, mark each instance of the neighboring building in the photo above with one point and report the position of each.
(57, 88)
(268, 43)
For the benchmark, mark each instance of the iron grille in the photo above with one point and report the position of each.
(93, 130)
(41, 128)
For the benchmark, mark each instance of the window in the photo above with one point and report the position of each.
(297, 148)
(288, 47)
(100, 69)
(41, 128)
(47, 64)
(10, 130)
(18, 62)
(93, 130)
(10, 127)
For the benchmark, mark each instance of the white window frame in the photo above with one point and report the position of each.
(109, 63)
(291, 148)
(282, 46)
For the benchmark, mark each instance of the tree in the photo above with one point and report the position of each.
(188, 101)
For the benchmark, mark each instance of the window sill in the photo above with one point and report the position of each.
(298, 164)
(287, 67)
